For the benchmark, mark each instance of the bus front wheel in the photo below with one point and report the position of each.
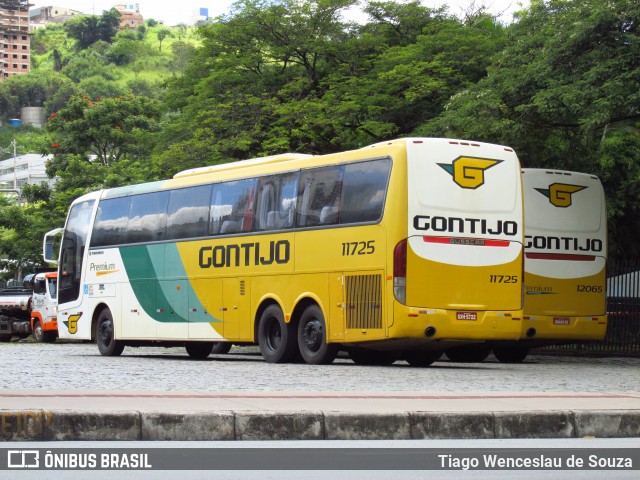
(105, 336)
(277, 339)
(312, 338)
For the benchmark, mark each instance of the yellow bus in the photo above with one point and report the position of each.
(565, 261)
(393, 251)
(565, 265)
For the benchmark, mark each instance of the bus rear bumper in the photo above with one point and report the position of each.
(546, 327)
(450, 325)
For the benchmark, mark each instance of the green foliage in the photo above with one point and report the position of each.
(111, 129)
(162, 33)
(560, 85)
(22, 229)
(88, 29)
(35, 89)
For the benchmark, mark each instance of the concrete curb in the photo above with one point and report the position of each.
(19, 425)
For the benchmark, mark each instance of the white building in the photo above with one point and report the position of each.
(24, 169)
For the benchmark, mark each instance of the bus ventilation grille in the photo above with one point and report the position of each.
(363, 301)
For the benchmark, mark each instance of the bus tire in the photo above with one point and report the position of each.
(312, 338)
(277, 340)
(362, 356)
(511, 354)
(468, 354)
(221, 347)
(199, 350)
(422, 358)
(107, 344)
(38, 334)
(5, 338)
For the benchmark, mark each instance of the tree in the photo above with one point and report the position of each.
(87, 30)
(111, 129)
(162, 33)
(34, 89)
(21, 233)
(564, 93)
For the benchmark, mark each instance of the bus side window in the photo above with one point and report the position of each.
(147, 217)
(188, 212)
(276, 202)
(111, 222)
(232, 205)
(319, 196)
(364, 191)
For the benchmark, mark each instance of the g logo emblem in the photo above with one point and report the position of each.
(468, 172)
(559, 194)
(72, 323)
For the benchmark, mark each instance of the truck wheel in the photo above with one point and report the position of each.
(37, 332)
(107, 344)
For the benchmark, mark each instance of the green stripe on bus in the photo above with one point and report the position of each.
(167, 301)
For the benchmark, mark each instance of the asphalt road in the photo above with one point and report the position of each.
(34, 366)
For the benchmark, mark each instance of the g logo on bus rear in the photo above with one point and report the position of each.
(468, 172)
(559, 194)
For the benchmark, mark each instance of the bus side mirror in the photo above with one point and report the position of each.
(51, 245)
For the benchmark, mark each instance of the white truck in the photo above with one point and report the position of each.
(30, 309)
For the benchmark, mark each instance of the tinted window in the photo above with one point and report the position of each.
(319, 196)
(276, 202)
(363, 191)
(188, 214)
(111, 222)
(72, 250)
(232, 207)
(147, 217)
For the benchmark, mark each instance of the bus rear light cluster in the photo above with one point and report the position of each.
(400, 272)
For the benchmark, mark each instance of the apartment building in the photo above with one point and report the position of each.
(15, 47)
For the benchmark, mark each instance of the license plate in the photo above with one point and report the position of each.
(561, 321)
(466, 315)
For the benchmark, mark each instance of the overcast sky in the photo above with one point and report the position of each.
(184, 11)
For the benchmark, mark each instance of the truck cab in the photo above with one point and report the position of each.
(44, 321)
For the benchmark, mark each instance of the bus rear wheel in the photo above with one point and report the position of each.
(199, 350)
(511, 354)
(277, 340)
(105, 336)
(468, 354)
(312, 338)
(420, 358)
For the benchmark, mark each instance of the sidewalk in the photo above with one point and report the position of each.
(122, 415)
